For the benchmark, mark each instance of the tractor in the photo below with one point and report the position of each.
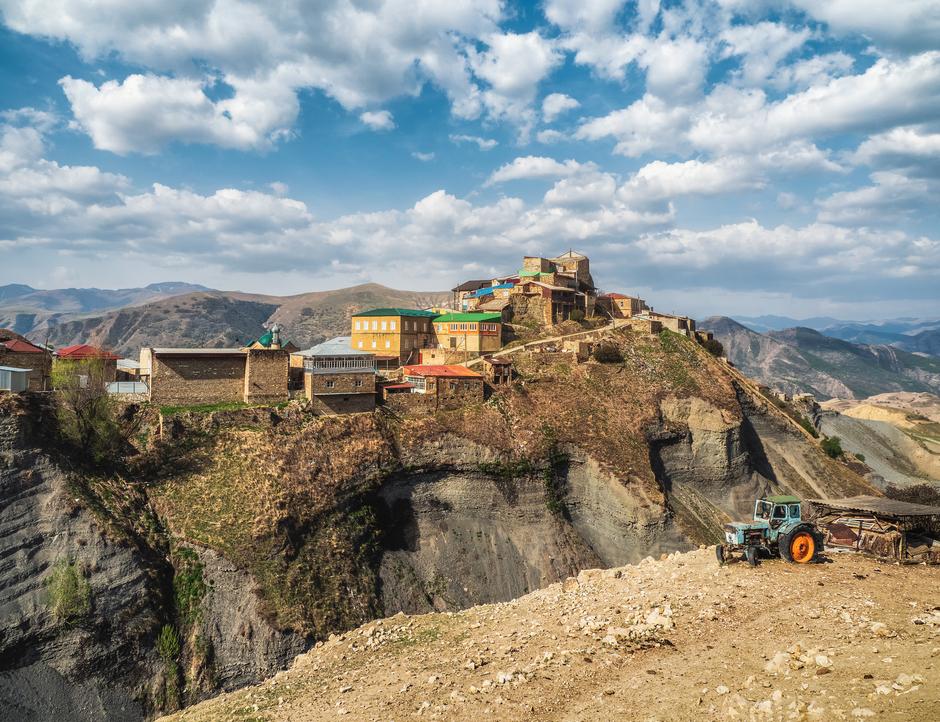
(777, 530)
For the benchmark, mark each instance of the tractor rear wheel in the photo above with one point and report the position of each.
(799, 546)
(720, 554)
(751, 555)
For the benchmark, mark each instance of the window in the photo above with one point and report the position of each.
(375, 325)
(358, 325)
(388, 344)
(358, 383)
(392, 325)
(359, 344)
(794, 511)
(375, 344)
(780, 512)
(384, 325)
(330, 383)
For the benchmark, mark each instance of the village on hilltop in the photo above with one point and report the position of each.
(433, 357)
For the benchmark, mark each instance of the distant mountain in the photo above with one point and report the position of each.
(927, 341)
(29, 310)
(803, 360)
(217, 319)
(763, 324)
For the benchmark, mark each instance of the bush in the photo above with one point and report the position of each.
(808, 425)
(714, 347)
(577, 315)
(168, 644)
(832, 445)
(926, 494)
(860, 457)
(69, 592)
(608, 353)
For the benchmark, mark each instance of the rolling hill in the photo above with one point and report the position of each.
(218, 319)
(799, 360)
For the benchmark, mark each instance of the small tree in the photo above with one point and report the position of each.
(86, 412)
(714, 347)
(577, 315)
(832, 445)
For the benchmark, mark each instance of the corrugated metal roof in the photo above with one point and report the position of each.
(85, 351)
(470, 285)
(17, 346)
(339, 346)
(15, 369)
(396, 312)
(443, 370)
(878, 505)
(489, 289)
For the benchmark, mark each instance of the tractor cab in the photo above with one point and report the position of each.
(777, 510)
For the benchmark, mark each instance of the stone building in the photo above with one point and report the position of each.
(465, 291)
(617, 305)
(448, 386)
(497, 371)
(396, 332)
(17, 352)
(544, 303)
(338, 379)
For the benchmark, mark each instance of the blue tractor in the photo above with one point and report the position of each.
(777, 530)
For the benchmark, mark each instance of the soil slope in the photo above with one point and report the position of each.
(677, 639)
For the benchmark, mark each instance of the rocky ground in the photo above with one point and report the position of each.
(676, 639)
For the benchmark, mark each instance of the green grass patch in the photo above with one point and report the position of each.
(69, 592)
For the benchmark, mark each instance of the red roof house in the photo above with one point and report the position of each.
(82, 352)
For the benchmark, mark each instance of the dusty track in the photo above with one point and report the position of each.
(677, 639)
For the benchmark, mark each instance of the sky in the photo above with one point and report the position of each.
(729, 156)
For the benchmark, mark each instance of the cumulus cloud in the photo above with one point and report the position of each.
(912, 25)
(890, 197)
(913, 149)
(423, 157)
(550, 136)
(557, 103)
(378, 120)
(762, 47)
(532, 166)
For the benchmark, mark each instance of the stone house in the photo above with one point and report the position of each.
(338, 379)
(544, 303)
(464, 292)
(449, 386)
(17, 352)
(618, 305)
(497, 371)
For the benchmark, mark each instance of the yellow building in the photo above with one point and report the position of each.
(400, 332)
(470, 333)
(617, 305)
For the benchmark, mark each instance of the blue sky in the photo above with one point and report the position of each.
(778, 156)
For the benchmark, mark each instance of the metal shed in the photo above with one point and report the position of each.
(14, 379)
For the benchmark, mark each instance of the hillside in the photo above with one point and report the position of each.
(248, 535)
(217, 318)
(676, 639)
(29, 310)
(801, 360)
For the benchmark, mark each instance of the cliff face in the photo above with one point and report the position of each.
(276, 528)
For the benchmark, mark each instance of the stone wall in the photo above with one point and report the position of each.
(343, 383)
(182, 381)
(267, 375)
(530, 309)
(335, 404)
(39, 363)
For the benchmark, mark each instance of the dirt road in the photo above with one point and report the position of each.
(674, 639)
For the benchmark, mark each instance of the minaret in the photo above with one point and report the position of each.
(275, 336)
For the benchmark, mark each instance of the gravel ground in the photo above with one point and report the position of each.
(675, 639)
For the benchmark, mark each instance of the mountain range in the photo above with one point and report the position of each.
(173, 314)
(803, 360)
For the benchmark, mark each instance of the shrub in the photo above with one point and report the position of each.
(860, 457)
(608, 353)
(714, 347)
(69, 592)
(832, 445)
(808, 425)
(577, 315)
(168, 644)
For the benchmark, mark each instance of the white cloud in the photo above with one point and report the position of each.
(279, 188)
(423, 157)
(144, 112)
(891, 196)
(812, 71)
(763, 47)
(646, 124)
(557, 103)
(482, 143)
(915, 149)
(360, 54)
(378, 120)
(911, 25)
(532, 166)
(593, 15)
(675, 69)
(550, 136)
(595, 189)
(657, 181)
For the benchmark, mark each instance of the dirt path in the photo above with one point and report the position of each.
(678, 639)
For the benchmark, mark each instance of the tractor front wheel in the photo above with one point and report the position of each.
(798, 546)
(751, 554)
(720, 554)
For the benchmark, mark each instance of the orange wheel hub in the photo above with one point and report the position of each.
(802, 547)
